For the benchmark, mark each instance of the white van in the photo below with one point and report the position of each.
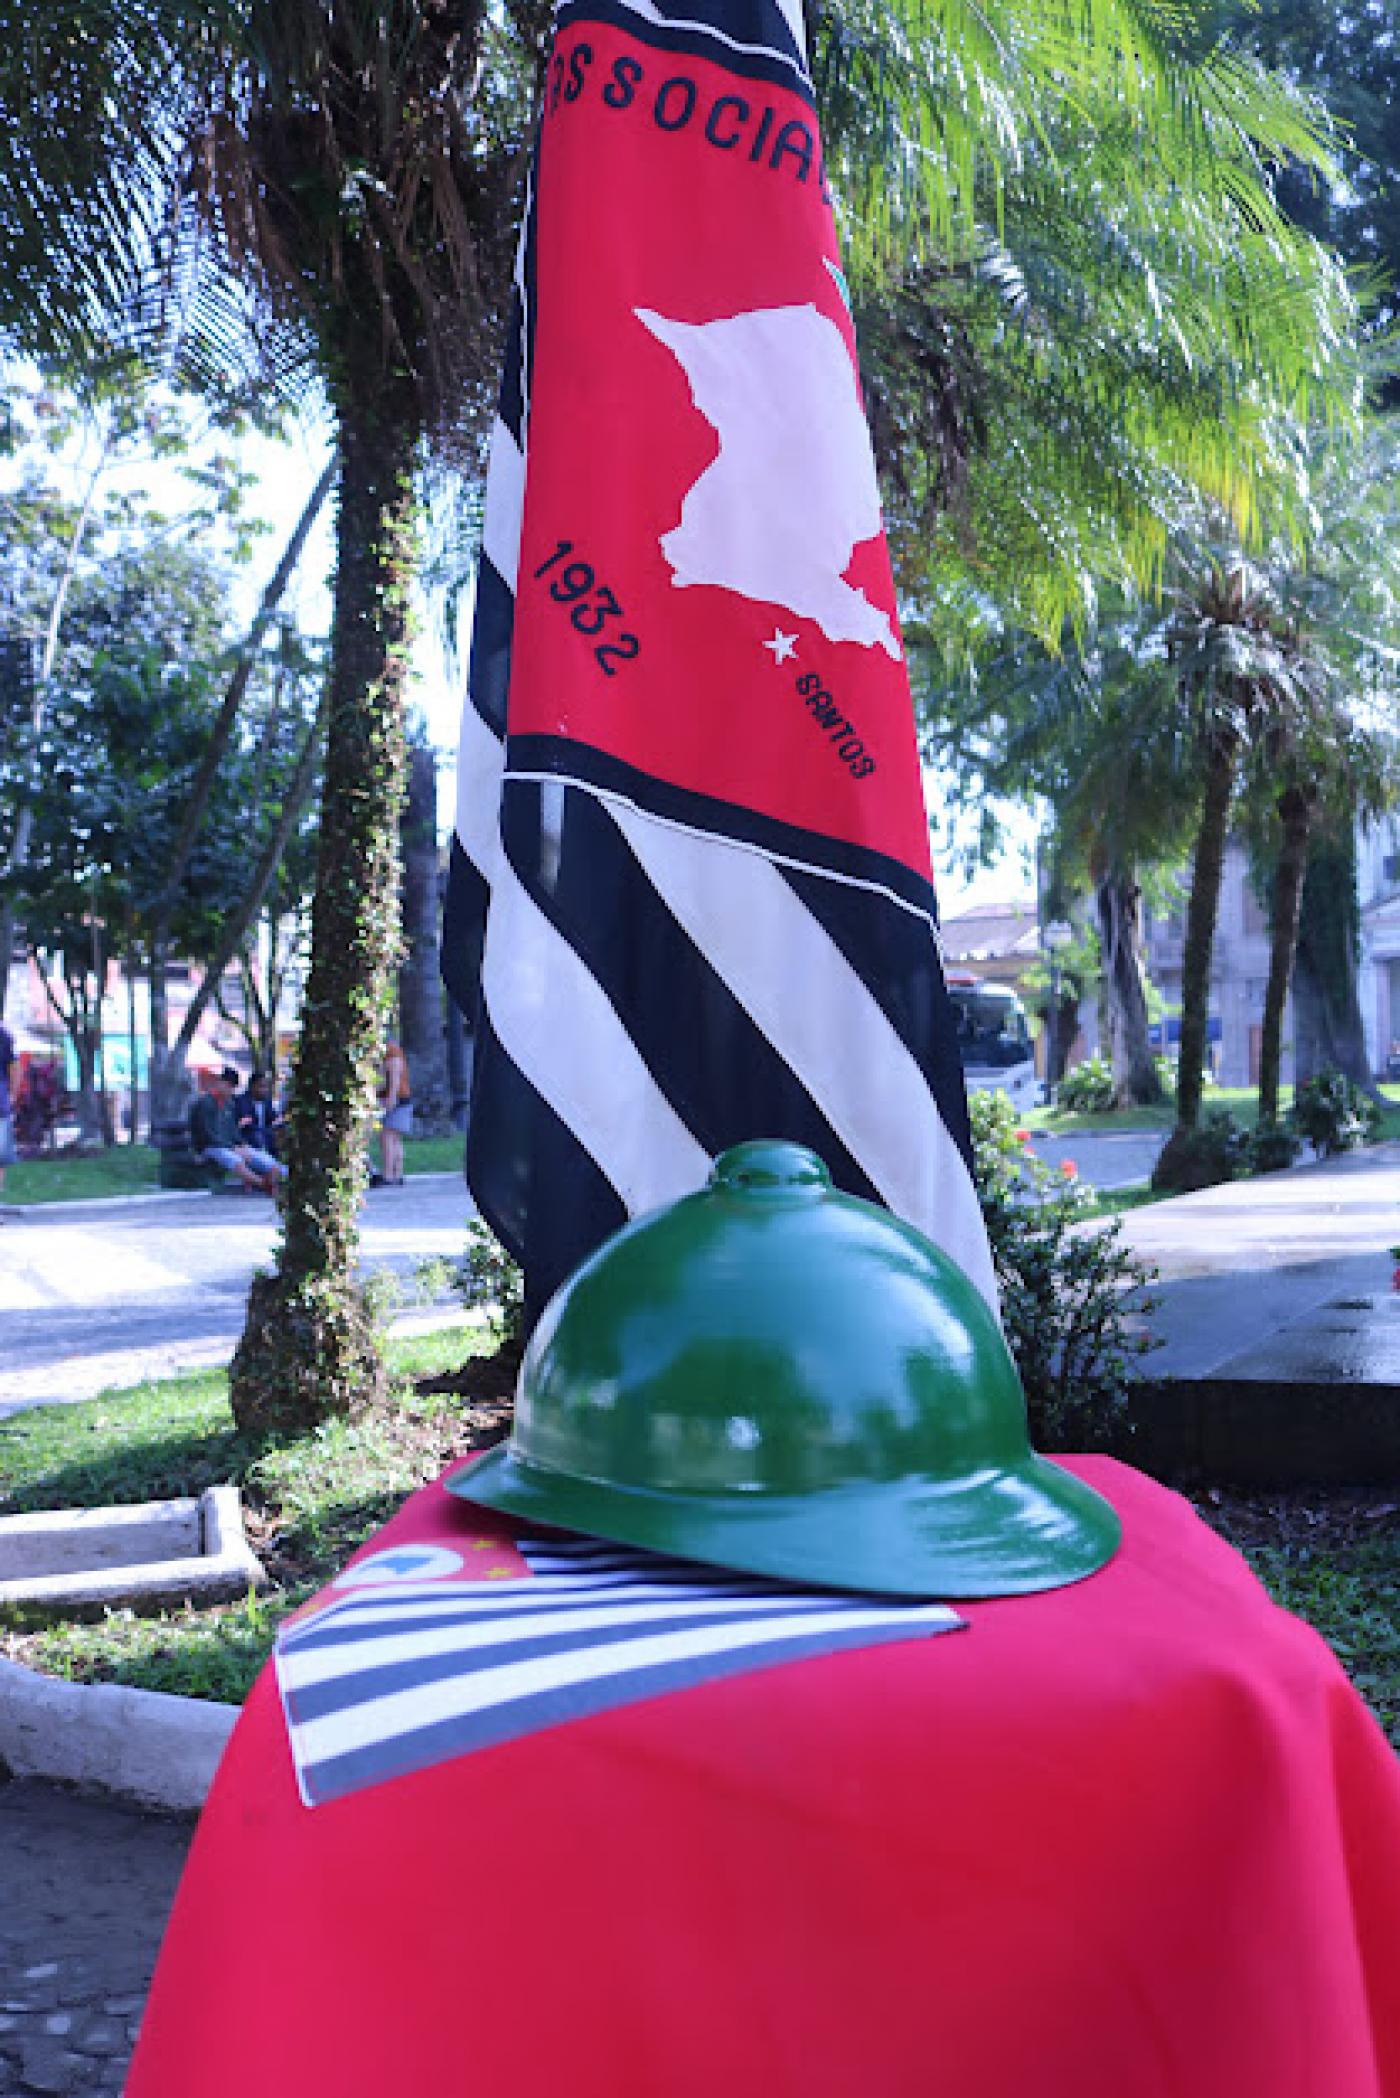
(994, 1039)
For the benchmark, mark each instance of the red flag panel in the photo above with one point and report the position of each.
(703, 588)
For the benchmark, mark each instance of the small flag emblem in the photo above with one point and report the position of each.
(381, 1684)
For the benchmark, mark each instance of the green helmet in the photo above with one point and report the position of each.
(776, 1378)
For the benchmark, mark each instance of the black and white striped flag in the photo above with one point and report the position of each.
(395, 1679)
(690, 899)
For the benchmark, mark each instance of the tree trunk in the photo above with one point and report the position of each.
(1295, 807)
(1061, 1027)
(89, 1107)
(1202, 908)
(422, 1028)
(133, 1134)
(236, 928)
(1328, 1029)
(168, 1087)
(166, 1076)
(308, 1348)
(1135, 1079)
(85, 1032)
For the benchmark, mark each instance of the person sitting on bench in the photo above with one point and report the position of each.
(214, 1137)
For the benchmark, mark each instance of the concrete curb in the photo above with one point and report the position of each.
(138, 1745)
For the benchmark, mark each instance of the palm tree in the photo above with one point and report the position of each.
(1290, 662)
(94, 94)
(1095, 325)
(421, 1029)
(1095, 731)
(1235, 668)
(1340, 755)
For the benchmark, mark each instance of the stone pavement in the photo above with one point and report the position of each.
(85, 1888)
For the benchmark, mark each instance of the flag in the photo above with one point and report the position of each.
(413, 1669)
(690, 898)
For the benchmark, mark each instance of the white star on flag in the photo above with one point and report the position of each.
(783, 645)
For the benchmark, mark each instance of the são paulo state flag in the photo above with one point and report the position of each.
(690, 899)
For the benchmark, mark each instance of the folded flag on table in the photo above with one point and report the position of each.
(690, 899)
(410, 1667)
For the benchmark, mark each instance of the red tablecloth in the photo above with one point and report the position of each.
(1134, 1839)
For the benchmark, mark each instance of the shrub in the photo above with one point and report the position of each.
(1271, 1147)
(488, 1280)
(1088, 1088)
(1333, 1114)
(1072, 1297)
(1217, 1149)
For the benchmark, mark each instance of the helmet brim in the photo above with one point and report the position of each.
(1013, 1531)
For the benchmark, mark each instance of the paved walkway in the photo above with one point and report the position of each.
(101, 1294)
(1105, 1160)
(1284, 1278)
(85, 1888)
(97, 1295)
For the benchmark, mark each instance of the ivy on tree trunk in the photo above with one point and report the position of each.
(308, 1348)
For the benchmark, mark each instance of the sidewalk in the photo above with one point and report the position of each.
(85, 1888)
(98, 1295)
(1281, 1332)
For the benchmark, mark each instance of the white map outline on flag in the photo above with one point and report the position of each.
(778, 513)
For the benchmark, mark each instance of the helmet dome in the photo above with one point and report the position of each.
(773, 1377)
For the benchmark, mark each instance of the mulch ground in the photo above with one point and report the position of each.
(1331, 1522)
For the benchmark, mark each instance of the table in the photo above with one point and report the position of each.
(1137, 1838)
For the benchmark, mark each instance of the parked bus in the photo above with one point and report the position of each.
(994, 1039)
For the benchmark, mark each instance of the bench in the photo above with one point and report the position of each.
(176, 1164)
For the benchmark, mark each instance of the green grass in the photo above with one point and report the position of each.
(1334, 1560)
(309, 1502)
(1352, 1601)
(130, 1169)
(168, 1437)
(1054, 1121)
(127, 1169)
(1115, 1201)
(1241, 1101)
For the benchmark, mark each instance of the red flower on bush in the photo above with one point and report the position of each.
(1069, 1169)
(1023, 1136)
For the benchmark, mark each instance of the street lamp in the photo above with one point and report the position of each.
(1054, 938)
